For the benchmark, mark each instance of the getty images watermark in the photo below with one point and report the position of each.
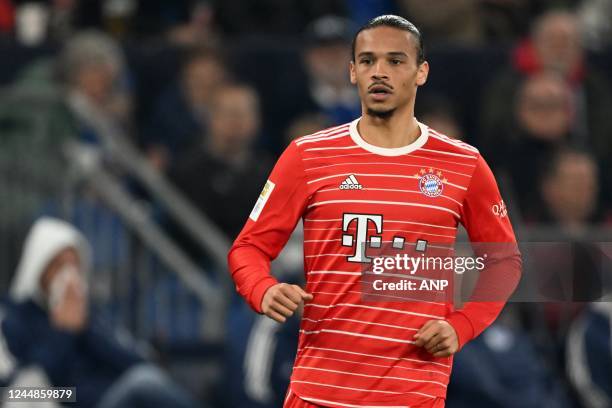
(408, 266)
(487, 272)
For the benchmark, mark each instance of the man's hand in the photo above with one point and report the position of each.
(438, 337)
(282, 300)
(70, 313)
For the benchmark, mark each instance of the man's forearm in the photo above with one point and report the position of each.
(250, 270)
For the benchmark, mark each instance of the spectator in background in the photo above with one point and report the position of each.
(542, 121)
(125, 19)
(199, 29)
(555, 45)
(326, 56)
(180, 117)
(305, 125)
(317, 74)
(273, 17)
(93, 68)
(446, 21)
(506, 21)
(474, 23)
(589, 355)
(362, 11)
(49, 324)
(223, 175)
(437, 112)
(570, 189)
(502, 368)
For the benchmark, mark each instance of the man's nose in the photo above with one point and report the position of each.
(379, 72)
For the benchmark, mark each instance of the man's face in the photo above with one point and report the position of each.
(385, 69)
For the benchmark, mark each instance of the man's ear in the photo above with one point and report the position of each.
(352, 73)
(422, 73)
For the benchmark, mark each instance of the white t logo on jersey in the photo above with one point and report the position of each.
(361, 235)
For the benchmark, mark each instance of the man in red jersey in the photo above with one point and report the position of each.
(383, 178)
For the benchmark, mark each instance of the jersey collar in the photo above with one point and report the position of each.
(385, 151)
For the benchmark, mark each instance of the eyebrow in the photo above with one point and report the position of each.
(391, 53)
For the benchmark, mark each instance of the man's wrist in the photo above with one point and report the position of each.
(462, 326)
(258, 292)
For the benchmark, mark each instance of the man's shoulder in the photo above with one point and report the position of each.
(444, 143)
(332, 135)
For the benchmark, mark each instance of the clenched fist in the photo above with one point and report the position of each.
(438, 337)
(282, 300)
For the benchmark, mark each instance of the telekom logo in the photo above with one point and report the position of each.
(361, 234)
(361, 240)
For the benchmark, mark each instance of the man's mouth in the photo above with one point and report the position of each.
(379, 90)
(380, 93)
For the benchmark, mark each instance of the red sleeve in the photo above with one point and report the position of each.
(485, 218)
(275, 214)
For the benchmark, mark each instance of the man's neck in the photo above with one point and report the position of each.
(398, 130)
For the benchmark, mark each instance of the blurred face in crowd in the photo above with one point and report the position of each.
(571, 191)
(325, 63)
(234, 119)
(66, 258)
(557, 41)
(386, 70)
(65, 291)
(97, 81)
(201, 76)
(544, 107)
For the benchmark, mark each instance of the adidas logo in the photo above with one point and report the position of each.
(351, 183)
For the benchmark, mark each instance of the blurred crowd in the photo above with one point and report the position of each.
(210, 92)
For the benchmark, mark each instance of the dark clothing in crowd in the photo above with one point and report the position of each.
(90, 360)
(502, 368)
(174, 125)
(237, 17)
(521, 158)
(223, 191)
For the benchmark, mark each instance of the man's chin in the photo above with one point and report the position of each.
(380, 113)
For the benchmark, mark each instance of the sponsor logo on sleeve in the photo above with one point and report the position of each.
(500, 209)
(262, 200)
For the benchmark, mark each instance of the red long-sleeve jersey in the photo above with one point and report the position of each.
(350, 194)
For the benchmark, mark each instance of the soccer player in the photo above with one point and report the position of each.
(385, 177)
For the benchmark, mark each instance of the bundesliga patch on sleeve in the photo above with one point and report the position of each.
(262, 200)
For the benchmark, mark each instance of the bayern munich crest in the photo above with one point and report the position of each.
(431, 184)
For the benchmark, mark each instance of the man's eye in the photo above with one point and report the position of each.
(366, 61)
(396, 61)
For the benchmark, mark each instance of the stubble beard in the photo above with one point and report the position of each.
(380, 114)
